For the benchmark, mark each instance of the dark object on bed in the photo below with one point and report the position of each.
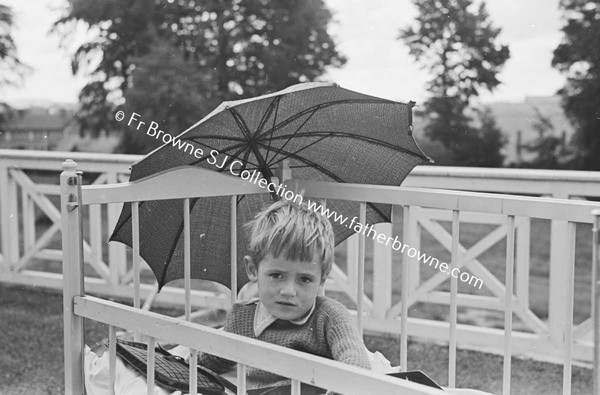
(305, 389)
(170, 371)
(415, 376)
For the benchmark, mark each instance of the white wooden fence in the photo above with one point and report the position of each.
(27, 247)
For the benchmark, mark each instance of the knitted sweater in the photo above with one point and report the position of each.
(329, 332)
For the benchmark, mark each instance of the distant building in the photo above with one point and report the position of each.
(40, 128)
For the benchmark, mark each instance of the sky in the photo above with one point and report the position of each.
(365, 32)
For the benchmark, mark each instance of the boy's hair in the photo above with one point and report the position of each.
(293, 231)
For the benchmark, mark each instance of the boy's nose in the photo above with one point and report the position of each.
(288, 289)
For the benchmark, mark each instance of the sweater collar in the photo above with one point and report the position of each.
(263, 319)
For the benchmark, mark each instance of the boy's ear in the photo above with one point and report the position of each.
(251, 269)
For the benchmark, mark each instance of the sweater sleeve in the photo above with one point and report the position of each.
(217, 364)
(342, 336)
(214, 363)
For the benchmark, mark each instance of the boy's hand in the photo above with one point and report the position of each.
(181, 351)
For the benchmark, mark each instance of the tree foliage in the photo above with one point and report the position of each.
(210, 50)
(12, 69)
(578, 57)
(549, 150)
(484, 144)
(167, 89)
(455, 41)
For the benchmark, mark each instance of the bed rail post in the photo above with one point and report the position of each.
(596, 300)
(70, 206)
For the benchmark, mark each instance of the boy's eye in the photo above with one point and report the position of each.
(275, 276)
(305, 280)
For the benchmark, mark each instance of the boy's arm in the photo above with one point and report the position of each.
(218, 364)
(214, 363)
(342, 336)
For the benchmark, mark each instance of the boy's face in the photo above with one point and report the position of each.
(286, 288)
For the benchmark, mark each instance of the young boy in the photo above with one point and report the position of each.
(291, 254)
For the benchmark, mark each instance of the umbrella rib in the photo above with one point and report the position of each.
(242, 145)
(246, 155)
(314, 165)
(234, 156)
(333, 176)
(311, 164)
(318, 107)
(311, 134)
(263, 167)
(295, 153)
(265, 116)
(278, 99)
(352, 136)
(245, 160)
(291, 136)
(312, 109)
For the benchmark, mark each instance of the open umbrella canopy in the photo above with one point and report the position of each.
(322, 131)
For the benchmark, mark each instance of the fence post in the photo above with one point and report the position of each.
(558, 272)
(413, 239)
(9, 215)
(117, 253)
(522, 261)
(4, 219)
(13, 221)
(72, 247)
(28, 221)
(382, 272)
(352, 262)
(596, 300)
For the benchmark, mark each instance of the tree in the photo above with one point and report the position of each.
(11, 68)
(550, 151)
(241, 48)
(456, 42)
(482, 145)
(577, 56)
(166, 89)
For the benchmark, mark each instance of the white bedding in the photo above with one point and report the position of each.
(130, 382)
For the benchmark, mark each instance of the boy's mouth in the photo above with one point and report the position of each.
(285, 303)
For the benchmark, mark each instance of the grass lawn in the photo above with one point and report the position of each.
(31, 361)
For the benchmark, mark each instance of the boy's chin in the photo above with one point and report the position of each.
(289, 315)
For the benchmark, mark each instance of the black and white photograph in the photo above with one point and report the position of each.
(286, 197)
